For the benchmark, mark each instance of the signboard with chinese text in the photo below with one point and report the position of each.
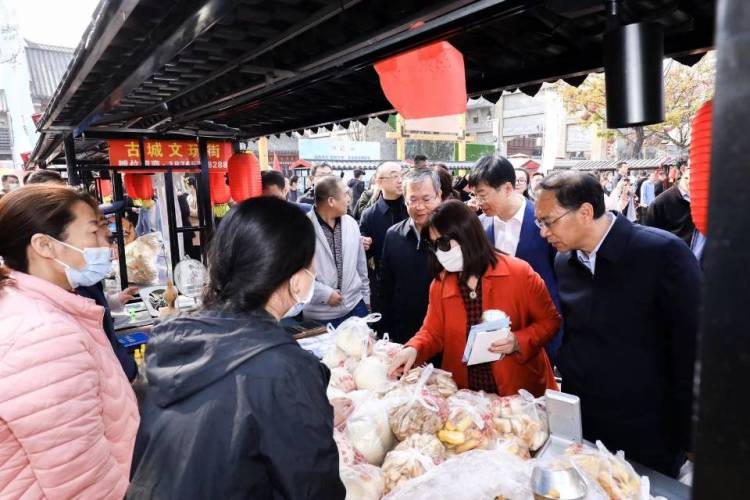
(126, 153)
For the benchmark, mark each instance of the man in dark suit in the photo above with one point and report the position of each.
(404, 275)
(508, 220)
(629, 298)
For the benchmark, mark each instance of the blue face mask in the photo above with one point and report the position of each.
(98, 263)
(301, 303)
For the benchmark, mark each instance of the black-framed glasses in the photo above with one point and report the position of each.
(443, 244)
(541, 223)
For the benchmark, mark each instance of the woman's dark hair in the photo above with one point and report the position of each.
(446, 182)
(43, 177)
(35, 209)
(573, 189)
(258, 247)
(528, 181)
(455, 221)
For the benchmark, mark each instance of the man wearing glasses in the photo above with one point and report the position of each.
(375, 221)
(404, 275)
(629, 298)
(508, 220)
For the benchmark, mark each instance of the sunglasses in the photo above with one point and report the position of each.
(443, 244)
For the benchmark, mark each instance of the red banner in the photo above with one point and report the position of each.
(126, 152)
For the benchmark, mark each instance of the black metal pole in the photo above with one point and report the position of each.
(205, 217)
(722, 440)
(117, 195)
(70, 159)
(174, 248)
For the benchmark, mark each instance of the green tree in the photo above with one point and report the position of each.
(685, 90)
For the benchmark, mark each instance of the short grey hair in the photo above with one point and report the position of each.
(416, 175)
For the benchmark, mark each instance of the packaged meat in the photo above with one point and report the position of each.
(354, 336)
(372, 374)
(369, 431)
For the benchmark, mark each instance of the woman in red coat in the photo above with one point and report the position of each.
(472, 277)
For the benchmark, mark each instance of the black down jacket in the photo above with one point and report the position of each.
(235, 408)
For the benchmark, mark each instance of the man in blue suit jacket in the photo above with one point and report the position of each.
(509, 222)
(630, 299)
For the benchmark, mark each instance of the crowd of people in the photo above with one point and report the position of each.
(599, 277)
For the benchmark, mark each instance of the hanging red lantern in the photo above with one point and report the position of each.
(105, 189)
(700, 166)
(425, 82)
(144, 187)
(220, 195)
(244, 177)
(129, 181)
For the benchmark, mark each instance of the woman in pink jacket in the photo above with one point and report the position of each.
(68, 417)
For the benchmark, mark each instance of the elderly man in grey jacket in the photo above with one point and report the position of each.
(342, 289)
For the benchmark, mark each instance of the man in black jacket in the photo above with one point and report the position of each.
(404, 275)
(387, 211)
(670, 210)
(357, 186)
(317, 172)
(630, 301)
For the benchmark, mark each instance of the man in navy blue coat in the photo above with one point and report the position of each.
(630, 300)
(404, 274)
(508, 220)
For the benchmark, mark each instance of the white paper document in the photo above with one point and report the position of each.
(481, 337)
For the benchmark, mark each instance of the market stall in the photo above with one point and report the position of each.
(246, 69)
(420, 437)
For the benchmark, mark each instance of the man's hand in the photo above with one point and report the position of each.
(335, 299)
(505, 346)
(366, 242)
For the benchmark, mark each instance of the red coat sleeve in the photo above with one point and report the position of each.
(429, 340)
(545, 320)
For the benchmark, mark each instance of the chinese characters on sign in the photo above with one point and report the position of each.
(126, 153)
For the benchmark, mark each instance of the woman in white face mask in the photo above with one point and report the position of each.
(472, 277)
(65, 400)
(229, 387)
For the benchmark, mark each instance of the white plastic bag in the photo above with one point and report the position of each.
(474, 475)
(372, 375)
(347, 454)
(418, 411)
(341, 380)
(404, 465)
(439, 380)
(613, 474)
(522, 416)
(468, 424)
(362, 482)
(354, 335)
(369, 431)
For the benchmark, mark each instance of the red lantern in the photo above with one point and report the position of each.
(129, 180)
(105, 189)
(425, 82)
(220, 195)
(700, 166)
(144, 187)
(244, 177)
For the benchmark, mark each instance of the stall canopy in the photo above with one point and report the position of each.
(251, 68)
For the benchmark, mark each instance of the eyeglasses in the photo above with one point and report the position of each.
(423, 202)
(443, 243)
(541, 223)
(392, 177)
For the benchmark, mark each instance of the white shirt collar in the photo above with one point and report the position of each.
(589, 260)
(518, 216)
(684, 193)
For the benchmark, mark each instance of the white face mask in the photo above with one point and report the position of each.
(452, 260)
(301, 303)
(98, 263)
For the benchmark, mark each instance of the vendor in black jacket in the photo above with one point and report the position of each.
(629, 298)
(235, 408)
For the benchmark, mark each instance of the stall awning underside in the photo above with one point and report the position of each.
(249, 68)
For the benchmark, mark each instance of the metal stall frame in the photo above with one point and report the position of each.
(77, 170)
